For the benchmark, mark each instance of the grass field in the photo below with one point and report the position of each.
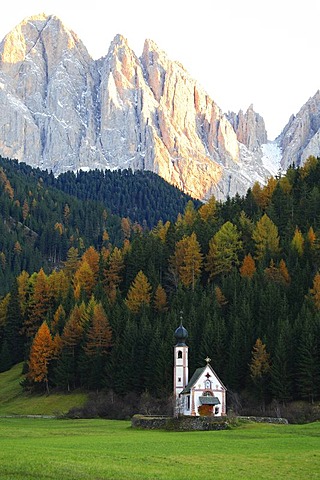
(14, 401)
(103, 449)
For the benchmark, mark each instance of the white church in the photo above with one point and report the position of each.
(204, 393)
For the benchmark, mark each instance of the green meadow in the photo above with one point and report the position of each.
(15, 401)
(103, 449)
(43, 449)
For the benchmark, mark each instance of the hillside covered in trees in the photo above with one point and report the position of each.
(245, 274)
(41, 216)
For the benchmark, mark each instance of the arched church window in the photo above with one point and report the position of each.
(179, 354)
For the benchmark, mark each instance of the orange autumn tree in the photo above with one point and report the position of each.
(23, 283)
(278, 274)
(112, 274)
(91, 256)
(248, 267)
(42, 351)
(208, 210)
(260, 367)
(99, 334)
(160, 299)
(59, 285)
(84, 280)
(139, 293)
(73, 329)
(221, 299)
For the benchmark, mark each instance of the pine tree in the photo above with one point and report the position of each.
(72, 263)
(315, 291)
(113, 274)
(13, 326)
(260, 368)
(139, 293)
(281, 368)
(59, 319)
(6, 360)
(308, 357)
(38, 305)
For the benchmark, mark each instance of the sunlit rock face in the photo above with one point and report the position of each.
(249, 127)
(48, 89)
(301, 136)
(61, 110)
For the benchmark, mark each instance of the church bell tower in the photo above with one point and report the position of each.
(180, 370)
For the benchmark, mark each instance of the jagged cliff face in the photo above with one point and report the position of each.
(60, 110)
(249, 127)
(301, 136)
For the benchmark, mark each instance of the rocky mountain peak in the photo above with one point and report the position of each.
(249, 127)
(61, 110)
(301, 136)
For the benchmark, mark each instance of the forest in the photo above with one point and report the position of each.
(243, 274)
(41, 216)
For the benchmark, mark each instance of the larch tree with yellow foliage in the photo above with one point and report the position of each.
(139, 293)
(224, 248)
(187, 260)
(297, 243)
(260, 367)
(266, 238)
(160, 299)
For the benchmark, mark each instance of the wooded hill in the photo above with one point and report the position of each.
(245, 274)
(41, 216)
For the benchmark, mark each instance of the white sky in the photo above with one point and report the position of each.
(240, 51)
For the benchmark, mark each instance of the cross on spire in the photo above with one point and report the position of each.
(208, 360)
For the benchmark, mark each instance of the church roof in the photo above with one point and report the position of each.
(208, 400)
(195, 377)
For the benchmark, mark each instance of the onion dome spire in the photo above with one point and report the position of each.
(181, 334)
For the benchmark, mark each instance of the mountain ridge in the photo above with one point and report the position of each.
(61, 110)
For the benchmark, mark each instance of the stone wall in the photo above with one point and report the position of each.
(179, 423)
(264, 419)
(187, 423)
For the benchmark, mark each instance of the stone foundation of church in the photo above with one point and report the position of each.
(183, 423)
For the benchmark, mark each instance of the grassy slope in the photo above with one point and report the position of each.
(104, 449)
(14, 401)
